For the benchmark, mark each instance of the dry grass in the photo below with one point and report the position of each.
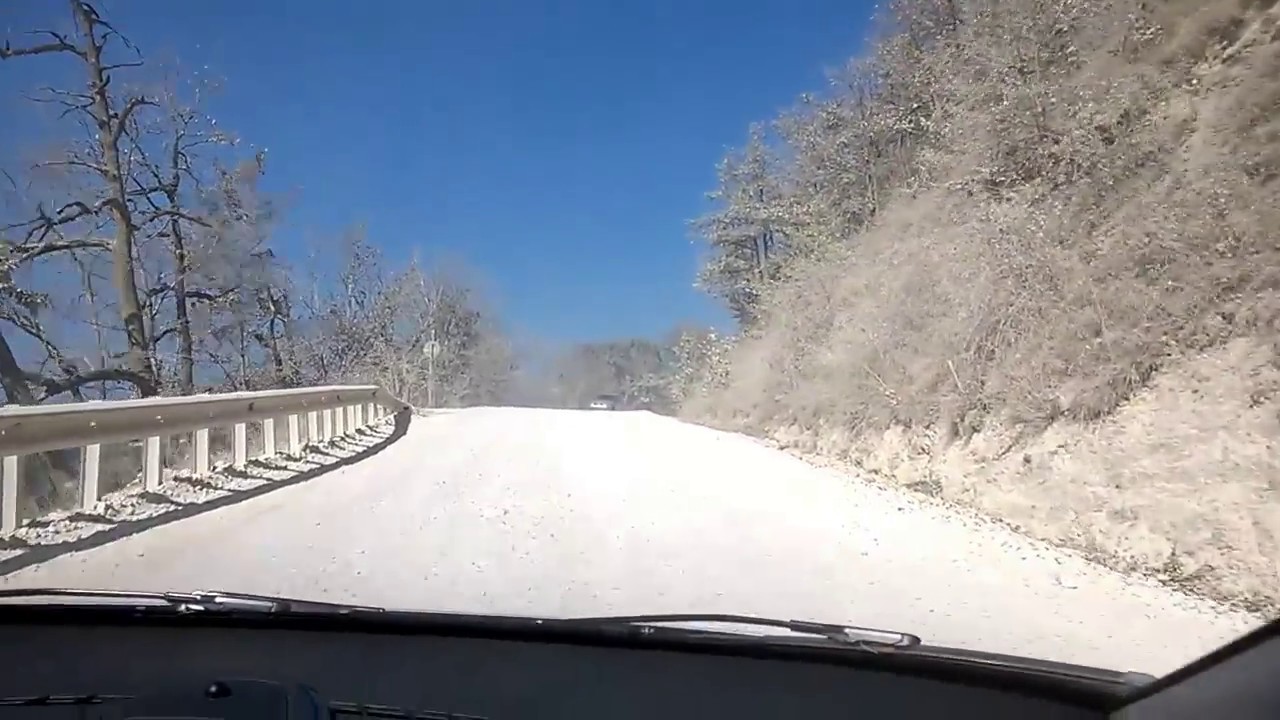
(1181, 482)
(1069, 318)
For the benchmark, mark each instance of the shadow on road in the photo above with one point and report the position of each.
(34, 554)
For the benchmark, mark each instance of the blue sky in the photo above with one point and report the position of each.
(557, 148)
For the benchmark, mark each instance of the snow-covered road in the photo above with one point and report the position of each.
(558, 512)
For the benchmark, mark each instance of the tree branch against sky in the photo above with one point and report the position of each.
(150, 210)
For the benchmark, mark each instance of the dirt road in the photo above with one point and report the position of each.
(554, 512)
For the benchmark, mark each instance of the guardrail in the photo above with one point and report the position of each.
(328, 411)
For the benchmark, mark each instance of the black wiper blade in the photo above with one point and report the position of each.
(199, 601)
(851, 635)
(60, 700)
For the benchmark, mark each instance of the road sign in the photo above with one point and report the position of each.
(431, 349)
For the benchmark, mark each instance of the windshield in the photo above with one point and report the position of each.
(974, 339)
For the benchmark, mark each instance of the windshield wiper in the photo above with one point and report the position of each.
(200, 601)
(849, 635)
(214, 602)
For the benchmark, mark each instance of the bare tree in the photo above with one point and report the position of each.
(423, 334)
(170, 186)
(162, 208)
(746, 234)
(108, 114)
(640, 371)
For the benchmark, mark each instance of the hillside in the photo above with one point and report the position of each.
(1025, 257)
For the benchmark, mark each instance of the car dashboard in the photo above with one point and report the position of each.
(416, 675)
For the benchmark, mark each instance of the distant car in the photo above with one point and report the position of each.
(604, 402)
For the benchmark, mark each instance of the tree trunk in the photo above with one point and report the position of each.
(12, 379)
(182, 312)
(109, 125)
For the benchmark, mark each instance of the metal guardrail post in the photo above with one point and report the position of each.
(151, 464)
(202, 451)
(268, 437)
(295, 437)
(9, 494)
(239, 445)
(89, 465)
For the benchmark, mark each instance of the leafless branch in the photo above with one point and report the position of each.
(122, 119)
(59, 44)
(70, 383)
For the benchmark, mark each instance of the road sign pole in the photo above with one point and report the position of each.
(431, 349)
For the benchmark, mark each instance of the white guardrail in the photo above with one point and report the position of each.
(329, 412)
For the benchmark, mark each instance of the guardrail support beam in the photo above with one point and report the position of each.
(295, 437)
(239, 446)
(201, 463)
(151, 464)
(268, 437)
(89, 464)
(9, 494)
(313, 427)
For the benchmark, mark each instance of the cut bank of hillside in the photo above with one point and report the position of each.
(1025, 257)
